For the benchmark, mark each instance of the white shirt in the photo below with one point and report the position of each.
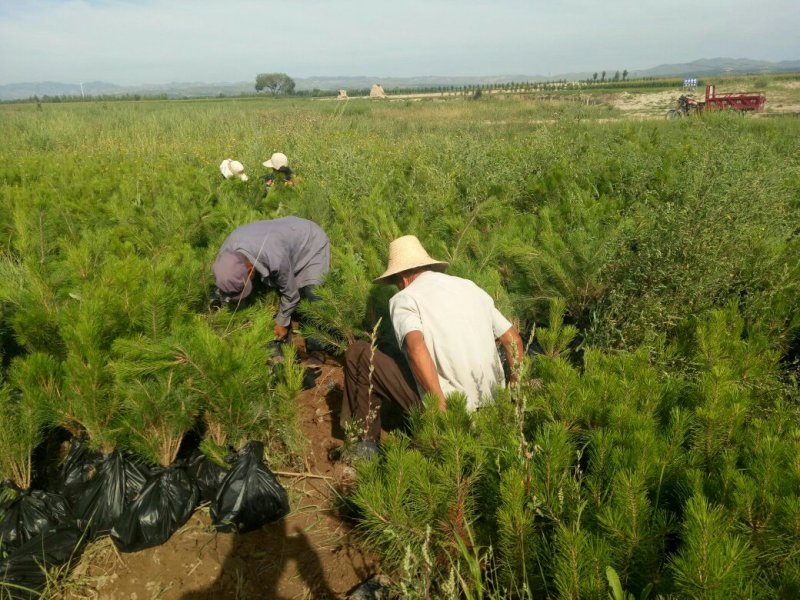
(460, 325)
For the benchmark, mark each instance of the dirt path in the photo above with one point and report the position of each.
(310, 554)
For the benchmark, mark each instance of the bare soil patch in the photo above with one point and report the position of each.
(782, 98)
(648, 103)
(311, 553)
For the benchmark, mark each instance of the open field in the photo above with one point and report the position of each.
(633, 101)
(653, 266)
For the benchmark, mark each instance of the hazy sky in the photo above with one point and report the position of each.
(161, 41)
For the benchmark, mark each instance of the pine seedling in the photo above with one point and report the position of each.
(567, 257)
(556, 338)
(338, 319)
(88, 402)
(157, 413)
(719, 417)
(579, 563)
(553, 473)
(520, 554)
(32, 306)
(22, 425)
(634, 530)
(398, 498)
(287, 379)
(25, 411)
(225, 375)
(227, 380)
(782, 548)
(713, 562)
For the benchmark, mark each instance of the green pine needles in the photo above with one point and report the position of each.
(651, 445)
(672, 482)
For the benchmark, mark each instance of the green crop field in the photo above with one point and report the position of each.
(653, 267)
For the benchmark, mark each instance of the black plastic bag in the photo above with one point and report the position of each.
(207, 474)
(165, 503)
(77, 469)
(249, 496)
(28, 513)
(116, 482)
(23, 572)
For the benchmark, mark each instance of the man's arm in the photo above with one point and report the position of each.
(422, 365)
(289, 297)
(514, 349)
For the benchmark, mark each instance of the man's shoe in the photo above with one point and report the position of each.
(366, 449)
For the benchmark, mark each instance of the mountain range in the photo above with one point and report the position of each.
(698, 68)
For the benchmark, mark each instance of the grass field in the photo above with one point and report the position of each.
(654, 266)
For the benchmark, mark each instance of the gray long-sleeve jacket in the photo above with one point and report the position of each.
(288, 253)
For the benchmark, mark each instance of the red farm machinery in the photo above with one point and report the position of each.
(740, 101)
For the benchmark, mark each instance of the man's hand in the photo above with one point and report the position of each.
(281, 332)
(515, 351)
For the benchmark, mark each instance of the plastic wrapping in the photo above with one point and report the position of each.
(23, 572)
(77, 469)
(116, 482)
(27, 514)
(207, 474)
(164, 504)
(249, 496)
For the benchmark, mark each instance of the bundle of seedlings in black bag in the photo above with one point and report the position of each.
(77, 469)
(24, 403)
(165, 503)
(249, 496)
(116, 482)
(25, 513)
(157, 414)
(206, 369)
(207, 473)
(24, 571)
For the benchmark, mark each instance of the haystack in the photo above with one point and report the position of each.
(377, 91)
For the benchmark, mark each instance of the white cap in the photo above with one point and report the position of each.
(232, 168)
(276, 161)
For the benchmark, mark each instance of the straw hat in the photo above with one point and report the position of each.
(232, 274)
(406, 253)
(276, 161)
(232, 168)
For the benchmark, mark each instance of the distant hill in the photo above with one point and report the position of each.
(698, 68)
(719, 66)
(22, 91)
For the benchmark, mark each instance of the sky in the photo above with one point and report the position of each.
(132, 42)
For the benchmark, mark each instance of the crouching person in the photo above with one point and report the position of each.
(291, 255)
(447, 328)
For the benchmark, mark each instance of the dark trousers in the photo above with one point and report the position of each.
(388, 384)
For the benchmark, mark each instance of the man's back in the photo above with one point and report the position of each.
(287, 243)
(460, 324)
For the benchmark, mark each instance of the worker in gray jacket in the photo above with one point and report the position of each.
(290, 254)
